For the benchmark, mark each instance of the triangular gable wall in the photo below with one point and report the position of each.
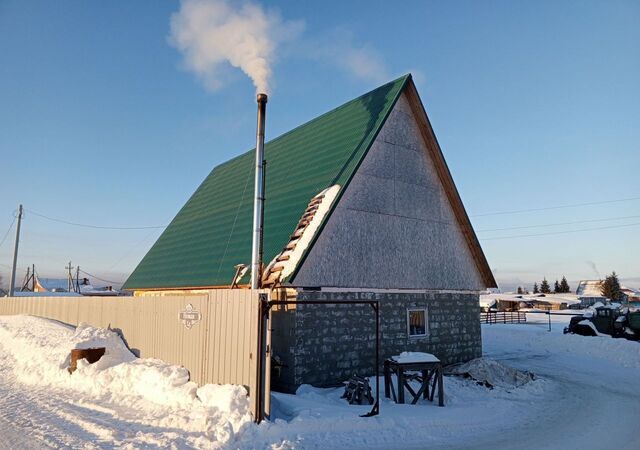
(395, 226)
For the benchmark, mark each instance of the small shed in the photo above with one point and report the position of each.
(360, 204)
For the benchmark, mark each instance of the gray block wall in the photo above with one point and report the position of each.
(323, 345)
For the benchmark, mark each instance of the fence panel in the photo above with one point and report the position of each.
(213, 334)
(503, 317)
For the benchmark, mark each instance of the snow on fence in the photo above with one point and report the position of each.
(214, 334)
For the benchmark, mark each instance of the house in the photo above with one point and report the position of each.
(590, 292)
(46, 287)
(630, 295)
(552, 301)
(514, 302)
(359, 205)
(500, 302)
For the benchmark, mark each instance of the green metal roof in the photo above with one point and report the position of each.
(212, 231)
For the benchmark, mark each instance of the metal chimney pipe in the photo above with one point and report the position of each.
(258, 204)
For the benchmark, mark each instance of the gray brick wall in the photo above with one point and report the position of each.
(323, 345)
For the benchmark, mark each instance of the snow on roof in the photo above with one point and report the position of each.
(88, 289)
(590, 288)
(45, 294)
(559, 298)
(51, 284)
(489, 299)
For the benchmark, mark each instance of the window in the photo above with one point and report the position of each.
(417, 322)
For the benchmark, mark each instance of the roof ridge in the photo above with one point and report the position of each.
(404, 78)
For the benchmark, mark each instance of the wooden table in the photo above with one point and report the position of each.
(430, 379)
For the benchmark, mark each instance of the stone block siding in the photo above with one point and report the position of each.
(326, 344)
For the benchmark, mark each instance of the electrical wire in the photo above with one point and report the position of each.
(98, 278)
(93, 226)
(557, 224)
(560, 232)
(548, 208)
(8, 230)
(132, 249)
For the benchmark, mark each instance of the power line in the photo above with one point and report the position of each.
(8, 230)
(558, 223)
(574, 205)
(560, 232)
(132, 248)
(98, 278)
(93, 226)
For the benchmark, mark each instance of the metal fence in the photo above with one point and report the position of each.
(214, 335)
(503, 317)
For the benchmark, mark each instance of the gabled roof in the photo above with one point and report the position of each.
(590, 288)
(212, 232)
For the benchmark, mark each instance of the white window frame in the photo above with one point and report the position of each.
(426, 323)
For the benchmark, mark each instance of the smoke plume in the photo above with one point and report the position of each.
(212, 34)
(595, 269)
(340, 47)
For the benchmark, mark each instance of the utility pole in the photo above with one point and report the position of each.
(77, 286)
(69, 278)
(12, 282)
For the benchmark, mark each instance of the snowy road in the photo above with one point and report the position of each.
(586, 396)
(597, 395)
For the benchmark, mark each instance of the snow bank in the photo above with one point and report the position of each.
(40, 356)
(491, 373)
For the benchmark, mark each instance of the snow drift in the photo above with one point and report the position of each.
(40, 356)
(491, 373)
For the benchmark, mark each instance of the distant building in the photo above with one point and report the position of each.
(630, 295)
(590, 292)
(43, 287)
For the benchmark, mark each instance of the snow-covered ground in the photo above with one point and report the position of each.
(586, 395)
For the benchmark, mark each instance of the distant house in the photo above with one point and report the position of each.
(500, 302)
(630, 295)
(553, 301)
(359, 204)
(515, 302)
(56, 286)
(590, 292)
(53, 285)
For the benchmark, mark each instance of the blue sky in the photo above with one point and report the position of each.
(535, 104)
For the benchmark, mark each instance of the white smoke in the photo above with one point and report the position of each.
(340, 47)
(594, 268)
(212, 33)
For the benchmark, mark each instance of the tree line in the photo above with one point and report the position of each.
(561, 287)
(610, 287)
